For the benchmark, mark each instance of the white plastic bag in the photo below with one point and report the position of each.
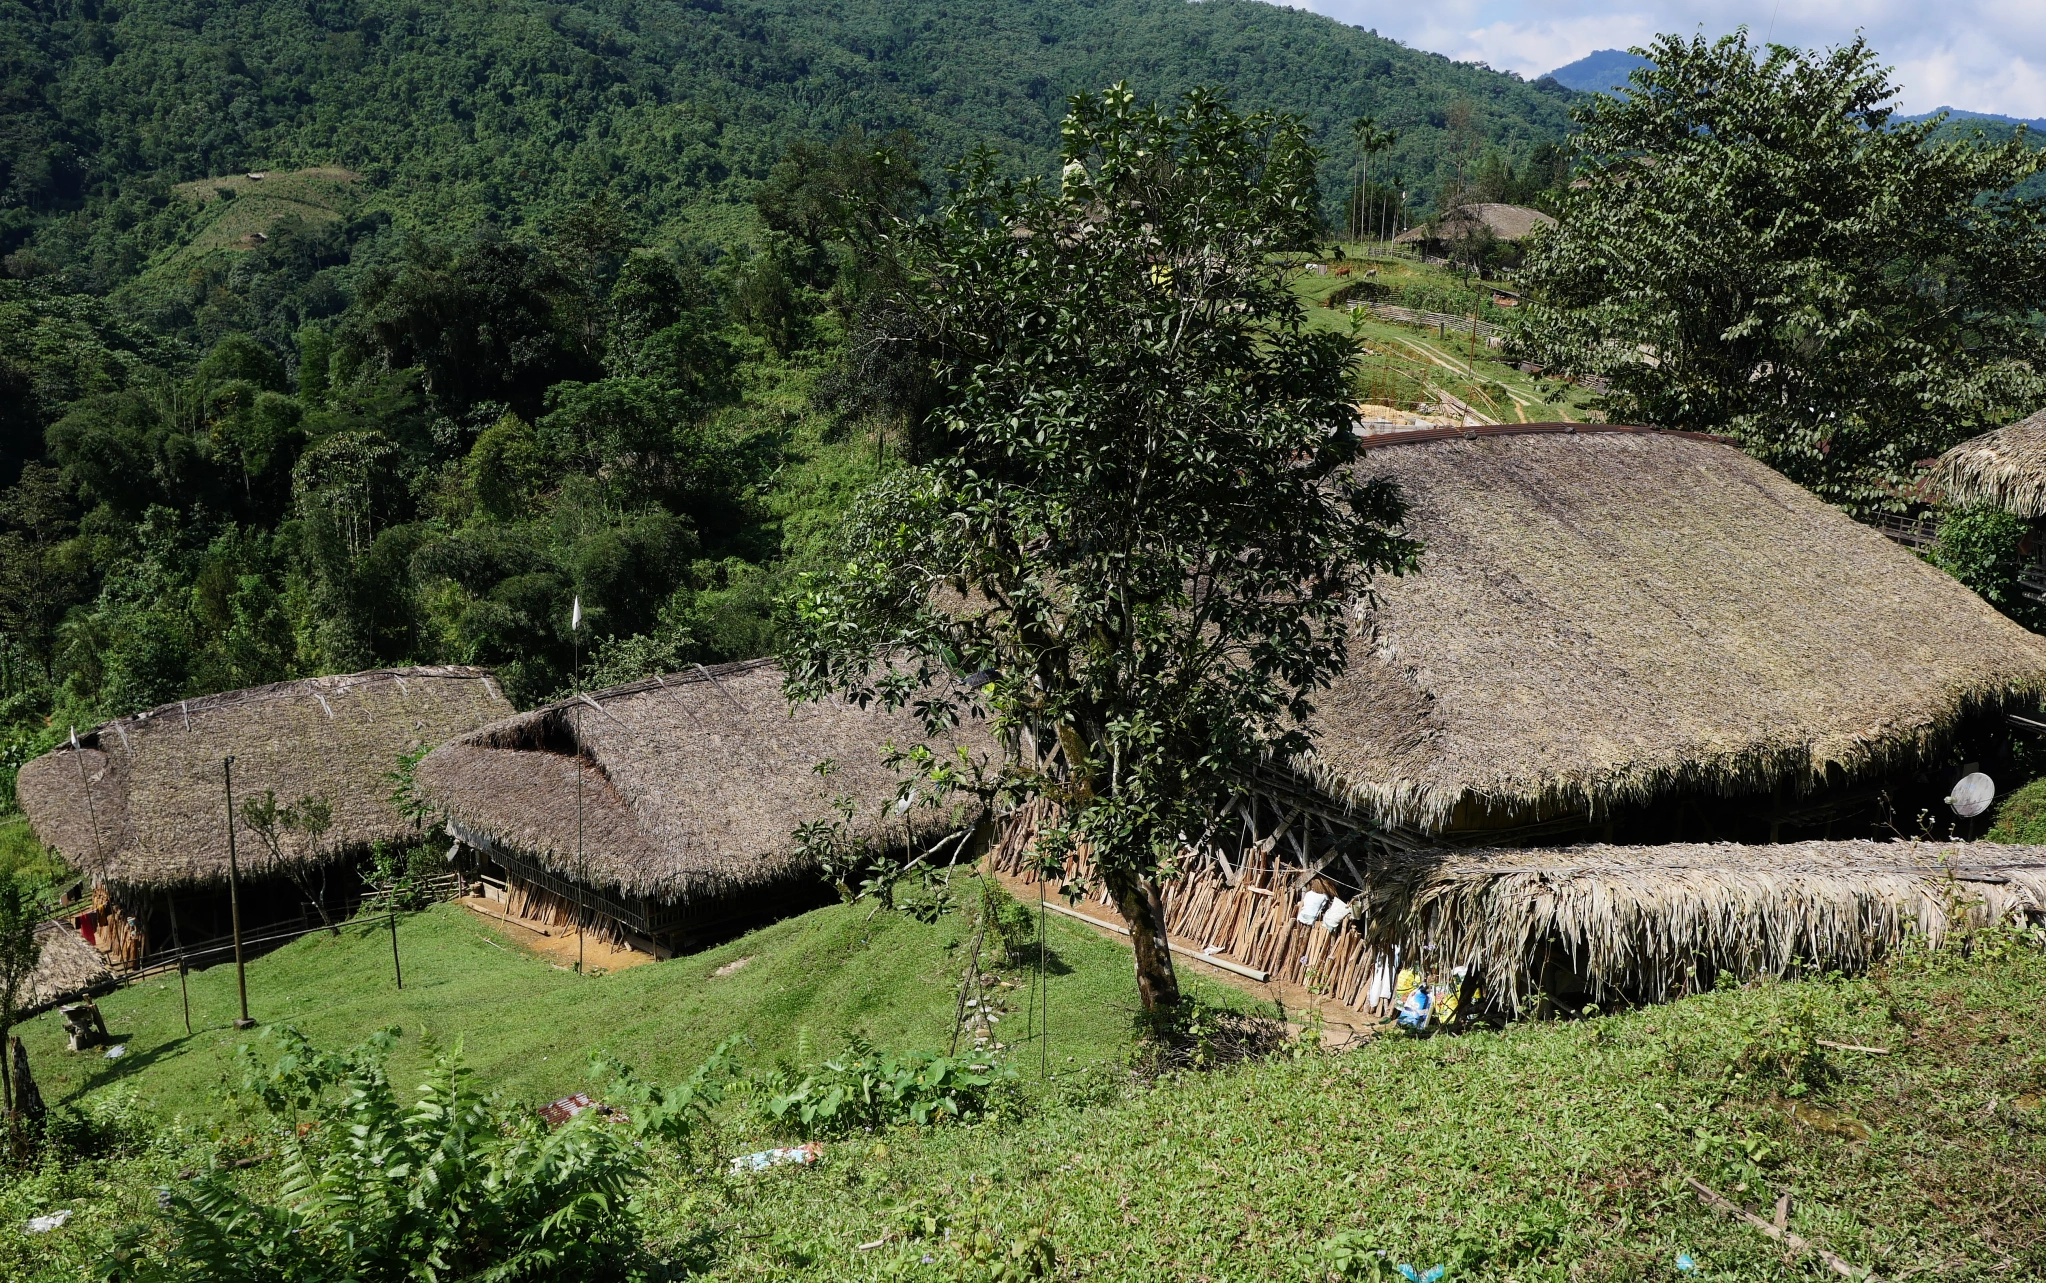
(1310, 907)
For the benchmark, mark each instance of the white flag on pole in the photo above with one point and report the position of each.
(575, 615)
(74, 737)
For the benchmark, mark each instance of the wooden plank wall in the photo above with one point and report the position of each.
(1241, 895)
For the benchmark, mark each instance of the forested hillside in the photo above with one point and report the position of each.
(337, 334)
(507, 112)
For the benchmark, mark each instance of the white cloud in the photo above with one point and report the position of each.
(1980, 55)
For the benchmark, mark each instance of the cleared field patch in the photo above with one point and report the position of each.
(244, 207)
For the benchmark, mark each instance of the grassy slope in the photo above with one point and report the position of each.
(528, 1027)
(1403, 362)
(1556, 1150)
(1545, 1152)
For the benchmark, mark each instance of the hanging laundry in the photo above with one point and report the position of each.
(1310, 907)
(1380, 989)
(1338, 913)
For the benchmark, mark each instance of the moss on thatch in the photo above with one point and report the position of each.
(2005, 469)
(1648, 922)
(692, 784)
(139, 802)
(1604, 616)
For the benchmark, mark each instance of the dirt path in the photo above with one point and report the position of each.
(1343, 1027)
(556, 944)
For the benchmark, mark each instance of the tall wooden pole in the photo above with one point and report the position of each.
(582, 873)
(234, 898)
(391, 904)
(178, 943)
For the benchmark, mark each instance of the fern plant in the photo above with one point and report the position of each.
(457, 1185)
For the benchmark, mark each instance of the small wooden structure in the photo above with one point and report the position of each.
(139, 802)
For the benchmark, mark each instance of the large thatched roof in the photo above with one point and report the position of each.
(1506, 222)
(1646, 921)
(692, 784)
(1603, 614)
(157, 812)
(2005, 468)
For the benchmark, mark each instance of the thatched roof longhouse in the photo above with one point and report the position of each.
(139, 802)
(2005, 468)
(692, 783)
(1603, 615)
(1635, 921)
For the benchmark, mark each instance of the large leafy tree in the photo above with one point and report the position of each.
(1138, 537)
(1756, 247)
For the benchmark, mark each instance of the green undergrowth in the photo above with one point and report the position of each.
(1552, 1151)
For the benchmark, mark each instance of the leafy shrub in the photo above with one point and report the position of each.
(456, 1185)
(108, 1125)
(866, 1088)
(1010, 923)
(1978, 545)
(1200, 1035)
(2020, 816)
(1776, 1047)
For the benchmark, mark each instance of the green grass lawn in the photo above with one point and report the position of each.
(528, 1027)
(1544, 1151)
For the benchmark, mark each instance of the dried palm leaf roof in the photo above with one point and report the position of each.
(67, 969)
(1645, 921)
(1507, 222)
(692, 784)
(140, 801)
(2005, 468)
(1604, 615)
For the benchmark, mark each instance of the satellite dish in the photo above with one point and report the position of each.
(1972, 795)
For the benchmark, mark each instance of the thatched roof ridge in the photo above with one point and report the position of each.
(1635, 919)
(1507, 222)
(2004, 468)
(1603, 616)
(139, 801)
(692, 783)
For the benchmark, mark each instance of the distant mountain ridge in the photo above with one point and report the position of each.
(1598, 72)
(1955, 115)
(1604, 70)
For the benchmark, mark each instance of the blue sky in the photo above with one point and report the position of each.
(1981, 55)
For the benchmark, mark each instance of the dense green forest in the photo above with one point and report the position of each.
(340, 334)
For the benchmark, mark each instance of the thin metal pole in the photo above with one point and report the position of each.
(234, 898)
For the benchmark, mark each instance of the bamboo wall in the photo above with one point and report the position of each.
(1246, 902)
(550, 909)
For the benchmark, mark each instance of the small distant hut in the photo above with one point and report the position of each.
(67, 969)
(663, 813)
(1616, 635)
(139, 803)
(1491, 221)
(2005, 468)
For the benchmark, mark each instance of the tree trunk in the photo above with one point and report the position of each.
(1138, 902)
